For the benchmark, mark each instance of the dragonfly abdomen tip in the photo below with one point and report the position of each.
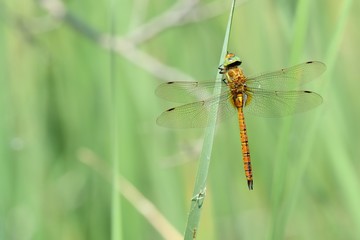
(250, 184)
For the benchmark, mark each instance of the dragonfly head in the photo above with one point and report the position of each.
(231, 60)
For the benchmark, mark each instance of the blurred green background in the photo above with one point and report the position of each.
(73, 114)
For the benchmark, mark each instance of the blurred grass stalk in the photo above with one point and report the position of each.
(283, 207)
(116, 212)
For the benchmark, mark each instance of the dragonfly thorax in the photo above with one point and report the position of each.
(236, 82)
(236, 76)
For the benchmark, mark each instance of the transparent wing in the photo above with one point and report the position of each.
(288, 78)
(280, 103)
(198, 114)
(185, 92)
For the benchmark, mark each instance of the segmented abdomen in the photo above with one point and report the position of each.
(245, 147)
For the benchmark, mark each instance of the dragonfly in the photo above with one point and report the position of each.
(267, 95)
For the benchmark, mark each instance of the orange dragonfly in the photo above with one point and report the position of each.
(267, 95)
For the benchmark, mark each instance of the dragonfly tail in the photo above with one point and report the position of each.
(244, 142)
(250, 184)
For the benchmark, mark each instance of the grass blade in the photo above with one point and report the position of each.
(199, 192)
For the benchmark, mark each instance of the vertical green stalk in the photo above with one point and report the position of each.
(116, 223)
(199, 192)
(282, 214)
(341, 160)
(280, 208)
(301, 26)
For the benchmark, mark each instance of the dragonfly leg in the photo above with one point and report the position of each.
(222, 69)
(225, 81)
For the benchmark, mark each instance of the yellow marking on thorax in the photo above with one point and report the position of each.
(235, 75)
